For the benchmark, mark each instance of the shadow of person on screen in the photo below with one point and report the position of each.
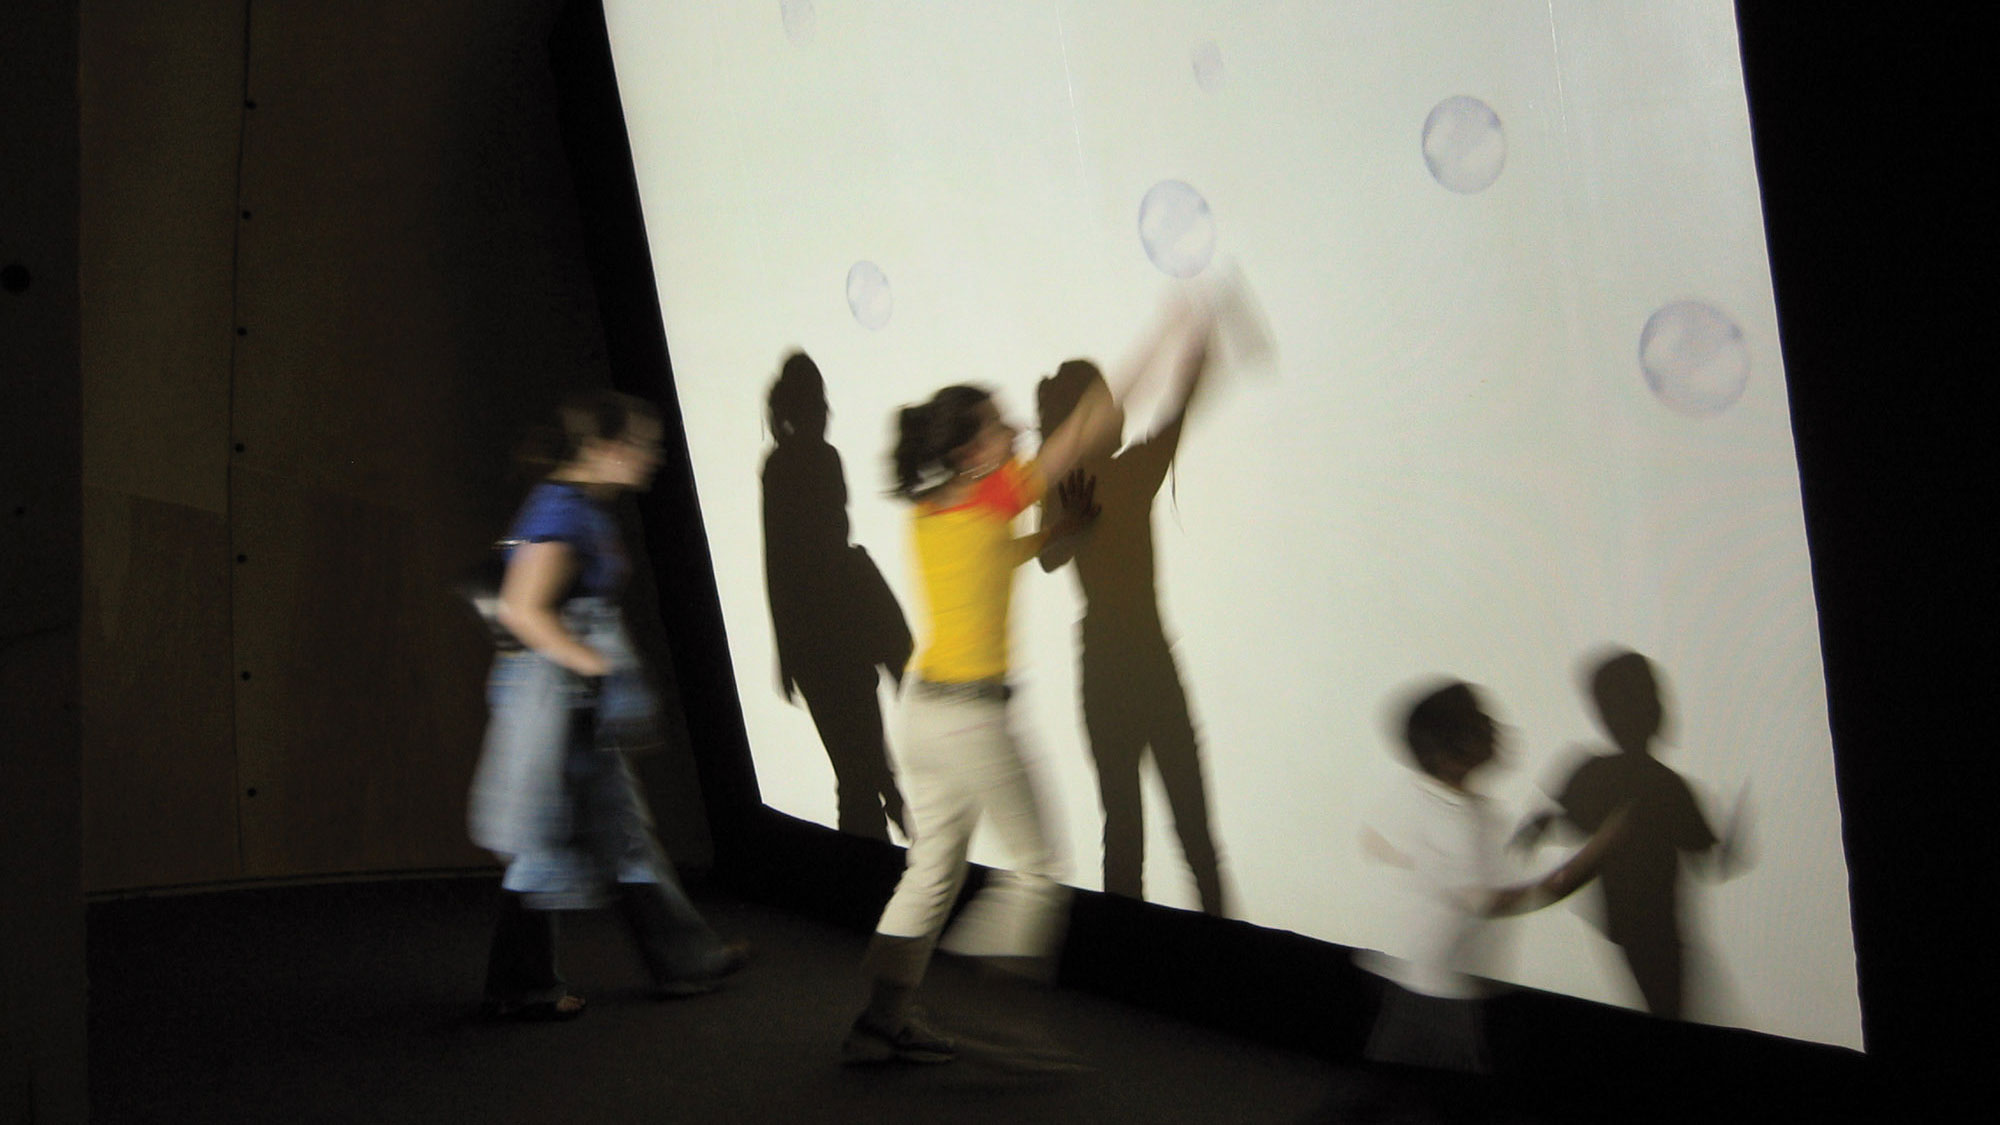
(1665, 832)
(836, 624)
(1133, 698)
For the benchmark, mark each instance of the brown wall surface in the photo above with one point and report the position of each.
(42, 1068)
(161, 91)
(332, 273)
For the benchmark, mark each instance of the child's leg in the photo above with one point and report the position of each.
(1436, 1032)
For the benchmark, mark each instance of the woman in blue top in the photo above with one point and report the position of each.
(553, 796)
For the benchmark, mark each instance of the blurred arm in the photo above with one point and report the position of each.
(536, 577)
(1175, 349)
(1564, 880)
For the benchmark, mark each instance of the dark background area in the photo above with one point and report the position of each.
(281, 284)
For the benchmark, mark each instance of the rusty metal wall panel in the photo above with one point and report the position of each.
(42, 1003)
(159, 769)
(358, 700)
(162, 108)
(412, 285)
(411, 280)
(161, 92)
(333, 274)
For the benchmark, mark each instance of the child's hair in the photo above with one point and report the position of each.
(1441, 725)
(926, 435)
(597, 415)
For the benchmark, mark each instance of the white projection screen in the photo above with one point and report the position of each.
(1524, 404)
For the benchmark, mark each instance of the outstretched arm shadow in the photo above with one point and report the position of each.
(1134, 701)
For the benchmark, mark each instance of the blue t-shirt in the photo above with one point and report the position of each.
(560, 512)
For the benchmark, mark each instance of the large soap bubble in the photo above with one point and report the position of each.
(1176, 228)
(868, 295)
(1464, 144)
(1208, 66)
(799, 19)
(1694, 358)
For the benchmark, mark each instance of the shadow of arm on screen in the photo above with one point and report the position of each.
(1562, 882)
(1732, 854)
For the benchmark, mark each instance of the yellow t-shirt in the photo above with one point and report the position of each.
(966, 555)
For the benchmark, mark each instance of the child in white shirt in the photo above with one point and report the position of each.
(1447, 843)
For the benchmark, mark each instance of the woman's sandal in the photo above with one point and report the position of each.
(558, 1010)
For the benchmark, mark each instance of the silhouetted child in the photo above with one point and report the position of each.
(1666, 827)
(1447, 842)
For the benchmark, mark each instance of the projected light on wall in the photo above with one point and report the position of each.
(1524, 407)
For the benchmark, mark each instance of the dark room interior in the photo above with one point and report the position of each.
(283, 285)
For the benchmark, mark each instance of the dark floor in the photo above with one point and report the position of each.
(355, 1003)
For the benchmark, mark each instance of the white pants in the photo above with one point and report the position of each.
(960, 762)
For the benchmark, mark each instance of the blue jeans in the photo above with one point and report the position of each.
(551, 795)
(555, 798)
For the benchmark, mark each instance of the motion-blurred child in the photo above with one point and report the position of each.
(1446, 843)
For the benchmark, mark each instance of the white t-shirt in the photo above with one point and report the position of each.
(1445, 851)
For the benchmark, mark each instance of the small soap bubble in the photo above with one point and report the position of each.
(868, 295)
(799, 19)
(1208, 66)
(1694, 358)
(1464, 145)
(1176, 228)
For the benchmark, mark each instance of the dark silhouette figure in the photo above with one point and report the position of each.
(836, 624)
(1641, 879)
(1133, 699)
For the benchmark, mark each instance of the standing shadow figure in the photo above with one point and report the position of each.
(1665, 828)
(1133, 699)
(836, 624)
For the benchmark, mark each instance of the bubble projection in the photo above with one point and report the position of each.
(1336, 525)
(1694, 358)
(868, 295)
(1208, 72)
(799, 20)
(1464, 145)
(1176, 228)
